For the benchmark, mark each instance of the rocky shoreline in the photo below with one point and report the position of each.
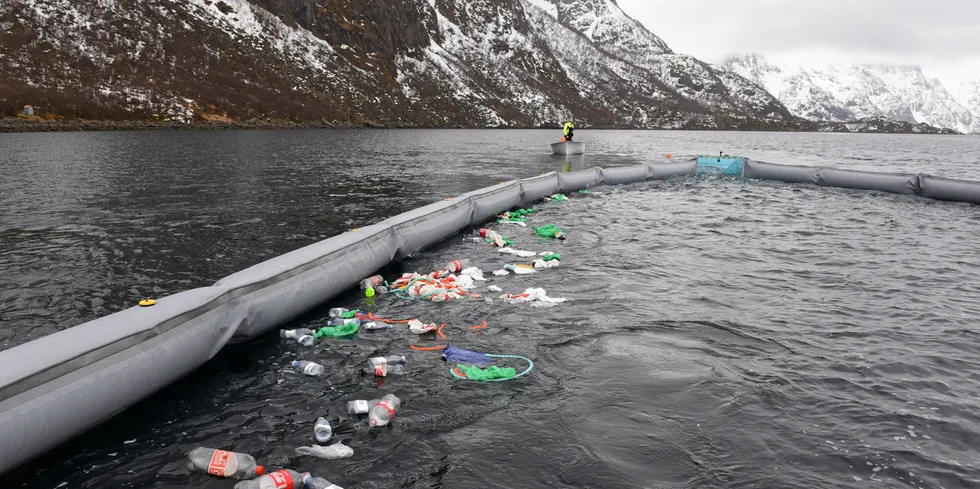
(12, 124)
(20, 124)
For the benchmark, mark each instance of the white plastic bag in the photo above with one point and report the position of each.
(337, 450)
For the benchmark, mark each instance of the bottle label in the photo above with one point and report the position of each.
(282, 479)
(381, 369)
(310, 369)
(219, 463)
(391, 412)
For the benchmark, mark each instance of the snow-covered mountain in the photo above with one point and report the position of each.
(396, 62)
(841, 93)
(969, 95)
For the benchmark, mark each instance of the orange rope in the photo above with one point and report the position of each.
(479, 326)
(440, 330)
(372, 317)
(459, 372)
(422, 348)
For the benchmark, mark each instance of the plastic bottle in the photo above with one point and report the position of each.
(492, 236)
(336, 312)
(457, 266)
(382, 412)
(294, 333)
(322, 430)
(308, 368)
(280, 479)
(306, 340)
(319, 483)
(472, 239)
(342, 321)
(374, 325)
(385, 370)
(390, 360)
(372, 282)
(223, 463)
(361, 406)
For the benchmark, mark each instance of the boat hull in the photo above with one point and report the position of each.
(568, 148)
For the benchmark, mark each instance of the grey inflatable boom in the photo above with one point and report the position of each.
(897, 183)
(58, 386)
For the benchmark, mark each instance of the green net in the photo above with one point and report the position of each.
(492, 372)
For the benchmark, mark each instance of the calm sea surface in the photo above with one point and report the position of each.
(718, 333)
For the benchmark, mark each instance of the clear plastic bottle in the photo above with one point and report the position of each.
(306, 340)
(308, 368)
(390, 360)
(457, 266)
(336, 312)
(322, 430)
(373, 281)
(342, 321)
(384, 370)
(223, 463)
(295, 333)
(280, 479)
(361, 406)
(383, 411)
(375, 325)
(319, 483)
(472, 239)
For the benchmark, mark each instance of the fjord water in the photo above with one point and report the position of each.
(718, 333)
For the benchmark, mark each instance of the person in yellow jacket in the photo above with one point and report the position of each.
(568, 130)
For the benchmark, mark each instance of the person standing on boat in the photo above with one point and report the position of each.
(569, 129)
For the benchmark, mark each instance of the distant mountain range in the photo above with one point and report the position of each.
(436, 63)
(842, 93)
(410, 63)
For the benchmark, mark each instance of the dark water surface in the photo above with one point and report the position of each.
(717, 334)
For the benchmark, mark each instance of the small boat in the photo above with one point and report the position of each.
(568, 148)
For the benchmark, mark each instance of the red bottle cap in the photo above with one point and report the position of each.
(483, 233)
(259, 470)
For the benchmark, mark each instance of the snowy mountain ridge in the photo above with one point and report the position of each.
(842, 93)
(472, 63)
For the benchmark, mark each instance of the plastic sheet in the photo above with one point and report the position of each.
(56, 387)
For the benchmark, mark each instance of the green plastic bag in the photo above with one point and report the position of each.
(551, 256)
(473, 372)
(350, 314)
(558, 198)
(549, 231)
(337, 331)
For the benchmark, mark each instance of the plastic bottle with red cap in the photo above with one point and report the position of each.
(223, 463)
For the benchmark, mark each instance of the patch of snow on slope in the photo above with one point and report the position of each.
(546, 5)
(256, 24)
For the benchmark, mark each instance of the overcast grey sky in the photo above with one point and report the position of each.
(943, 36)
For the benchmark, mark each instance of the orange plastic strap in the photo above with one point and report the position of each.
(372, 317)
(423, 348)
(440, 330)
(479, 326)
(459, 372)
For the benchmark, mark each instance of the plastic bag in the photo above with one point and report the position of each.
(337, 450)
